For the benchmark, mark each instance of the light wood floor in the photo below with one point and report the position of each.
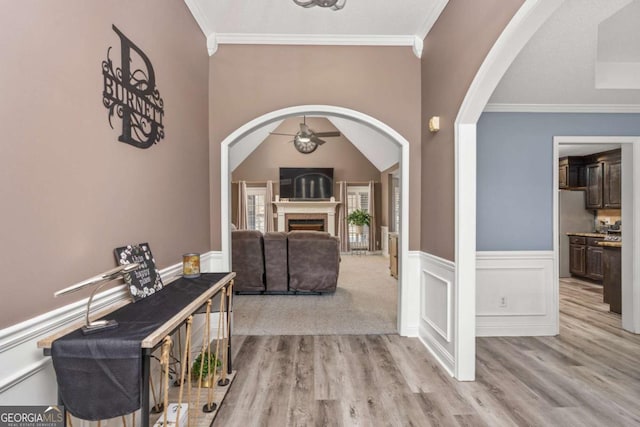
(589, 375)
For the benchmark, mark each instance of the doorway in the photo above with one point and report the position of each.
(629, 287)
(405, 288)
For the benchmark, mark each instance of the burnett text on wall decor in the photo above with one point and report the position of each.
(130, 92)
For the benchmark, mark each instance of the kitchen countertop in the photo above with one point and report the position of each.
(607, 243)
(610, 244)
(587, 234)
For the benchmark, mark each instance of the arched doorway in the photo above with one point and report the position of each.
(407, 309)
(531, 15)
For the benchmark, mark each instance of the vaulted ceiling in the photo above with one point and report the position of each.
(558, 69)
(379, 149)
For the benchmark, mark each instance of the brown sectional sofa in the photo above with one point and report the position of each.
(314, 261)
(247, 254)
(285, 263)
(275, 260)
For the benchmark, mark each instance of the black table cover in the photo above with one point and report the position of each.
(99, 375)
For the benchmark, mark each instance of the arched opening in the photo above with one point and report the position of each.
(405, 308)
(522, 27)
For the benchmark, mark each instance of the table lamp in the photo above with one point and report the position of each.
(100, 280)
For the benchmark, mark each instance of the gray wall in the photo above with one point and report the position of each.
(515, 159)
(70, 191)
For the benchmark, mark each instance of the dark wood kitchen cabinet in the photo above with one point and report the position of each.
(612, 283)
(604, 181)
(571, 172)
(612, 184)
(594, 259)
(585, 257)
(593, 196)
(577, 258)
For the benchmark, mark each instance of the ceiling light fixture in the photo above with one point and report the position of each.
(333, 4)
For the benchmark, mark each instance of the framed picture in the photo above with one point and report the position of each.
(144, 281)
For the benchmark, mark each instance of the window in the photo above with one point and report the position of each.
(395, 204)
(255, 208)
(358, 198)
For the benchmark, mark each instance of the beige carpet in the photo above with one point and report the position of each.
(364, 303)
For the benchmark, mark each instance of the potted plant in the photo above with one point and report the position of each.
(358, 218)
(206, 364)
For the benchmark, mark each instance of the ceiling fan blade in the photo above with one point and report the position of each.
(284, 134)
(327, 134)
(317, 140)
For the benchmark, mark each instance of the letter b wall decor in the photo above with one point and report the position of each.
(130, 93)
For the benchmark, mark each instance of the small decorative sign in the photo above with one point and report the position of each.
(145, 280)
(131, 93)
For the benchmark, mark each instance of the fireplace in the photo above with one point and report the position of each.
(305, 224)
(306, 215)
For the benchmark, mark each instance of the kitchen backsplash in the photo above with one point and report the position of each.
(608, 215)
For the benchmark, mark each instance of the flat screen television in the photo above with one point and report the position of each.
(306, 183)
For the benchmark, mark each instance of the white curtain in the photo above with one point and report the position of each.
(243, 215)
(268, 207)
(343, 227)
(372, 212)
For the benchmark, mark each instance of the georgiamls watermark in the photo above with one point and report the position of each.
(32, 416)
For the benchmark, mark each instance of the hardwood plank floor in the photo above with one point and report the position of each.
(589, 375)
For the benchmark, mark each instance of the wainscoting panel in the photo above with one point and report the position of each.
(435, 299)
(437, 308)
(211, 262)
(27, 377)
(516, 294)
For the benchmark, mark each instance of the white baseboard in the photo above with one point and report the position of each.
(442, 355)
(26, 376)
(516, 294)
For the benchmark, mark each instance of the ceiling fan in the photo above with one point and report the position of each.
(306, 140)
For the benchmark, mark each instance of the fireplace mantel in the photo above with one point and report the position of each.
(308, 207)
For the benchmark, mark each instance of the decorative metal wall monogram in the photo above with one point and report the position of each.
(133, 96)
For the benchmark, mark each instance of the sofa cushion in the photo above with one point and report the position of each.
(247, 260)
(275, 261)
(314, 261)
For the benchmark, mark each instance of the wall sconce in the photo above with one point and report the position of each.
(434, 124)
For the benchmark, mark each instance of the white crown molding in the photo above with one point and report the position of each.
(418, 45)
(212, 44)
(315, 39)
(561, 108)
(199, 16)
(431, 18)
(215, 39)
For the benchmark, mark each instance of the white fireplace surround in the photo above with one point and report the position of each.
(307, 207)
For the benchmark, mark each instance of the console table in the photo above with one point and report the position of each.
(173, 315)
